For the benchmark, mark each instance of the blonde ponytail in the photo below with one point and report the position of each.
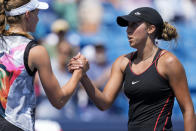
(2, 17)
(169, 32)
(11, 20)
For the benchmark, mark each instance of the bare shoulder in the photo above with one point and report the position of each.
(38, 55)
(121, 62)
(170, 62)
(169, 59)
(38, 51)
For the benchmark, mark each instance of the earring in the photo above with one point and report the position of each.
(156, 42)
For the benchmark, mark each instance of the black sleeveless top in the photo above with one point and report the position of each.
(150, 98)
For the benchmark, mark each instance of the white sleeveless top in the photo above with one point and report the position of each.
(17, 97)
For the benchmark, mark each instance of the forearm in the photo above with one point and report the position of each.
(95, 94)
(69, 88)
(189, 121)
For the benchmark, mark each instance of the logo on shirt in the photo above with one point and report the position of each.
(134, 82)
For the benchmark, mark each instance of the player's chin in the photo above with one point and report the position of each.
(132, 44)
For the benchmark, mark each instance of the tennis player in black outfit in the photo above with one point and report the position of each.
(152, 76)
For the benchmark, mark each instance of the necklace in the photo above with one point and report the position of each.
(149, 55)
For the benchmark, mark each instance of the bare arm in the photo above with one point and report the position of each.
(39, 58)
(103, 100)
(175, 73)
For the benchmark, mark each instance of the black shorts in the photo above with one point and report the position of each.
(6, 126)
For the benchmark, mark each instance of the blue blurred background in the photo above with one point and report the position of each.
(89, 27)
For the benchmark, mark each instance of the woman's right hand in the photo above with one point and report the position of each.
(78, 62)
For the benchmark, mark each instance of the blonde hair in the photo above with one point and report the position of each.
(169, 32)
(4, 20)
(2, 17)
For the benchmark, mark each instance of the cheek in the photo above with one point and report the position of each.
(141, 33)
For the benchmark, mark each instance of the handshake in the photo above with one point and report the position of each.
(78, 62)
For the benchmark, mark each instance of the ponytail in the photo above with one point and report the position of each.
(2, 17)
(169, 32)
(11, 20)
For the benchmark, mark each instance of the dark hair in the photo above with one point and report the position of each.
(7, 5)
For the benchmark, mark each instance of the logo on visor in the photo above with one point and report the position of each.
(137, 13)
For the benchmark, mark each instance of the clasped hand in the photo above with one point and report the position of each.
(79, 62)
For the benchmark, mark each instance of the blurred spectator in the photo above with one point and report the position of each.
(110, 30)
(67, 9)
(99, 73)
(89, 52)
(128, 5)
(45, 110)
(60, 30)
(90, 15)
(184, 11)
(194, 2)
(100, 68)
(112, 9)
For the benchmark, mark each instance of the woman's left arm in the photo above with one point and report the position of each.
(176, 75)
